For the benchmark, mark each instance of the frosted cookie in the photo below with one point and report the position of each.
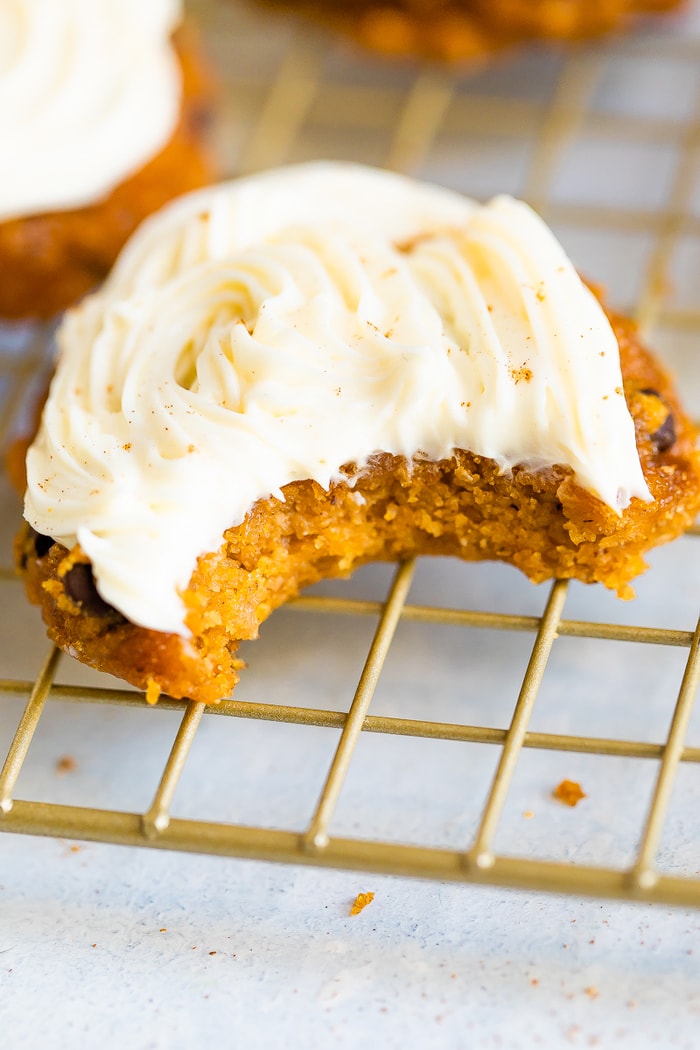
(454, 30)
(101, 122)
(299, 372)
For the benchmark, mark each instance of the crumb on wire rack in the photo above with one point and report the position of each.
(569, 792)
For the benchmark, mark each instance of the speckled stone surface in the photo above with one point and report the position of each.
(112, 947)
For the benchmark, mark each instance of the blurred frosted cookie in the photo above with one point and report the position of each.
(455, 30)
(292, 374)
(102, 110)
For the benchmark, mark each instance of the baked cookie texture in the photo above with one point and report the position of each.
(542, 522)
(457, 30)
(50, 260)
(294, 374)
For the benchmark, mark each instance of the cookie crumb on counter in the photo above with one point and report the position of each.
(361, 902)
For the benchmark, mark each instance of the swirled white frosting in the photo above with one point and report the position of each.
(279, 327)
(89, 92)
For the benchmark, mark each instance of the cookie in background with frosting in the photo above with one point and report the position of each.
(290, 375)
(103, 109)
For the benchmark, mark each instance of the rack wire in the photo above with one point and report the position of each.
(290, 101)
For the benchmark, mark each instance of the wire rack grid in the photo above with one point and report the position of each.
(287, 93)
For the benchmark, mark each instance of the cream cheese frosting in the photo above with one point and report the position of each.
(90, 91)
(278, 327)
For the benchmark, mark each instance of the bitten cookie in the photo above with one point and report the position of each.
(296, 373)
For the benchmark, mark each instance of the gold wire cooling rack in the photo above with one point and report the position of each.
(287, 93)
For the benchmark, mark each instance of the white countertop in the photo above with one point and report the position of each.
(446, 966)
(111, 946)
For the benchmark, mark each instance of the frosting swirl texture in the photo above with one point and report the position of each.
(89, 92)
(279, 327)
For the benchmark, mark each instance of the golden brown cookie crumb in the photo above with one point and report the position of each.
(66, 764)
(361, 902)
(569, 792)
